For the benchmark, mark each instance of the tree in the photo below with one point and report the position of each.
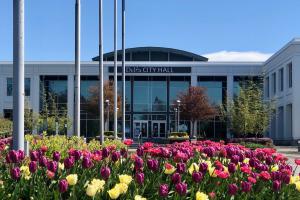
(31, 119)
(51, 116)
(195, 106)
(248, 113)
(93, 104)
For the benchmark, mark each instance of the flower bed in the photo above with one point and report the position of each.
(202, 170)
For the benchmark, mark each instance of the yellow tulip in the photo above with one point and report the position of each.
(98, 184)
(193, 167)
(61, 166)
(201, 196)
(274, 168)
(122, 187)
(114, 193)
(25, 170)
(298, 185)
(125, 179)
(211, 171)
(72, 179)
(91, 190)
(139, 197)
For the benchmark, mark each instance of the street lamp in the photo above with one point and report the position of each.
(178, 114)
(175, 116)
(107, 111)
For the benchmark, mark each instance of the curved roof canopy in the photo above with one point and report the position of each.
(154, 54)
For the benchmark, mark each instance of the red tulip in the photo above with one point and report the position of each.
(297, 161)
(128, 142)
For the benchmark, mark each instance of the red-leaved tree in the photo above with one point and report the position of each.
(195, 106)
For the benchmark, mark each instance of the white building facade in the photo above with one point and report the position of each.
(154, 78)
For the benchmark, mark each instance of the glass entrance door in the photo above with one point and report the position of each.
(159, 129)
(140, 129)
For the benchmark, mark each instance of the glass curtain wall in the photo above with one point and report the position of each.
(89, 112)
(216, 87)
(177, 85)
(54, 88)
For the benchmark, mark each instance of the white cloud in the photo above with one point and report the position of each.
(237, 56)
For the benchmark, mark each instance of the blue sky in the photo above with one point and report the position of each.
(252, 29)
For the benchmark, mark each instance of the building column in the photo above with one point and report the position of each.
(35, 95)
(70, 102)
(296, 99)
(229, 95)
(194, 82)
(2, 95)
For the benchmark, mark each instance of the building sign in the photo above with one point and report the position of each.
(154, 70)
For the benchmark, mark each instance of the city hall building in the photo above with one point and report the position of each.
(154, 78)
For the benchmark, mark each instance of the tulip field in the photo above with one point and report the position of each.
(202, 170)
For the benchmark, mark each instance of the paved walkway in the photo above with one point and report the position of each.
(292, 153)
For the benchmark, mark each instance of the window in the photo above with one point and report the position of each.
(9, 86)
(8, 114)
(267, 87)
(215, 87)
(290, 75)
(274, 83)
(281, 83)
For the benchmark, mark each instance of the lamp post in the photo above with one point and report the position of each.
(178, 114)
(107, 111)
(101, 96)
(115, 72)
(123, 70)
(77, 70)
(175, 116)
(18, 74)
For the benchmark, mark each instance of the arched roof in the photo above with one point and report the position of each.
(154, 54)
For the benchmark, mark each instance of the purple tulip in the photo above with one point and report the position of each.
(181, 188)
(153, 164)
(246, 186)
(77, 154)
(8, 159)
(140, 151)
(105, 152)
(235, 159)
(286, 178)
(276, 176)
(203, 167)
(13, 156)
(180, 168)
(43, 161)
(163, 190)
(231, 167)
(115, 156)
(139, 177)
(138, 163)
(56, 156)
(232, 189)
(15, 173)
(105, 172)
(276, 185)
(87, 163)
(124, 153)
(52, 166)
(269, 160)
(69, 162)
(34, 155)
(197, 177)
(21, 155)
(176, 178)
(32, 166)
(63, 185)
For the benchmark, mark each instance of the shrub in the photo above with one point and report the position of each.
(268, 142)
(5, 127)
(178, 134)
